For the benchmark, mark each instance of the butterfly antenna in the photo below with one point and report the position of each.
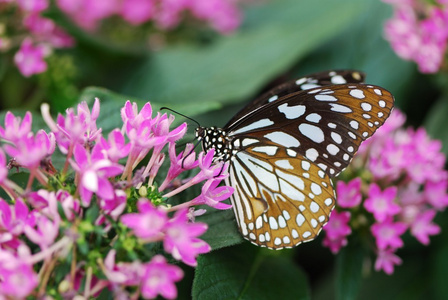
(176, 112)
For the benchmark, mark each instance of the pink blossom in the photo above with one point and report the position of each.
(181, 238)
(88, 13)
(387, 234)
(42, 145)
(335, 244)
(15, 127)
(349, 194)
(212, 195)
(338, 226)
(74, 129)
(115, 146)
(30, 59)
(13, 219)
(423, 227)
(46, 30)
(137, 12)
(33, 6)
(159, 278)
(209, 169)
(337, 230)
(148, 223)
(386, 261)
(3, 168)
(44, 232)
(18, 277)
(186, 160)
(436, 195)
(381, 203)
(122, 273)
(93, 170)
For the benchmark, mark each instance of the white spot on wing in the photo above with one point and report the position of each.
(338, 79)
(320, 97)
(273, 98)
(255, 125)
(283, 139)
(315, 118)
(284, 164)
(292, 112)
(312, 132)
(312, 154)
(269, 150)
(340, 108)
(359, 94)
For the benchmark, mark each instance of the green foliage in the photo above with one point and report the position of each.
(248, 272)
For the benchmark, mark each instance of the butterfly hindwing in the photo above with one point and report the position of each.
(281, 199)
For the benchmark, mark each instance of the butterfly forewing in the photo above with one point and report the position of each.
(325, 125)
(283, 148)
(314, 80)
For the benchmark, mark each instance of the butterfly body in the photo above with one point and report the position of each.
(284, 147)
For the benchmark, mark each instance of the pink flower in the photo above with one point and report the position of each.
(436, 195)
(338, 224)
(3, 168)
(30, 59)
(386, 260)
(387, 234)
(13, 219)
(15, 127)
(74, 129)
(116, 146)
(18, 277)
(137, 12)
(212, 196)
(381, 203)
(148, 223)
(349, 194)
(186, 160)
(94, 169)
(46, 30)
(159, 278)
(423, 227)
(122, 273)
(44, 232)
(33, 6)
(337, 230)
(181, 238)
(42, 145)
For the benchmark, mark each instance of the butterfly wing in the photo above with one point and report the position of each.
(287, 151)
(325, 125)
(308, 82)
(281, 199)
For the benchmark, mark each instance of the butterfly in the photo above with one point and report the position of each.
(284, 147)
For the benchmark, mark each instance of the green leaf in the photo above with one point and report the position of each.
(436, 122)
(274, 36)
(248, 272)
(362, 46)
(222, 228)
(348, 271)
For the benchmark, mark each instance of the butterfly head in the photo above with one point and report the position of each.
(217, 139)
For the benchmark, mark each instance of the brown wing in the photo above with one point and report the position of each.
(281, 199)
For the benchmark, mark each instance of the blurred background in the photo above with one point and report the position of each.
(206, 59)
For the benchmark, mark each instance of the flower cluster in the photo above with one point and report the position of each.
(36, 34)
(396, 183)
(222, 15)
(418, 31)
(95, 222)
